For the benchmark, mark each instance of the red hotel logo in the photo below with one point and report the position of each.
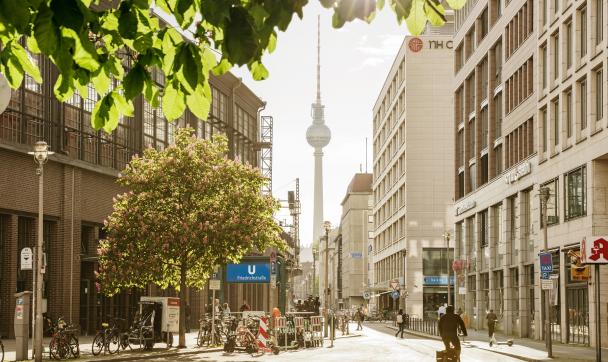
(415, 45)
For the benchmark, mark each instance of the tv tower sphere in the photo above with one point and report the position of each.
(318, 135)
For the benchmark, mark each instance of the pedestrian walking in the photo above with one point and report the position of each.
(226, 310)
(441, 310)
(400, 323)
(449, 324)
(492, 319)
(359, 319)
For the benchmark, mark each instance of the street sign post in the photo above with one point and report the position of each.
(367, 295)
(215, 284)
(546, 265)
(594, 250)
(26, 259)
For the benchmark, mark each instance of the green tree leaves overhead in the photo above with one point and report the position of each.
(91, 43)
(189, 208)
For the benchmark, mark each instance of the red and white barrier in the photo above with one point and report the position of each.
(263, 336)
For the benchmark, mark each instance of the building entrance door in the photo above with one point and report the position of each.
(577, 323)
(85, 304)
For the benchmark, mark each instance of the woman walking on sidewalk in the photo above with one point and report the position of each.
(400, 323)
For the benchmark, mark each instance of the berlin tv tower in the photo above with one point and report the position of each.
(318, 136)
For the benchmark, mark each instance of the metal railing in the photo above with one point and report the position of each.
(428, 326)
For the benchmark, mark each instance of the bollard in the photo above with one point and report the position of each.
(333, 330)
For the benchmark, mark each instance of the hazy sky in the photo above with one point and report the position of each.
(354, 63)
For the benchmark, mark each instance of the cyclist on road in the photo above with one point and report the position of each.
(448, 329)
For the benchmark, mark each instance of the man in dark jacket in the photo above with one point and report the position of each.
(448, 329)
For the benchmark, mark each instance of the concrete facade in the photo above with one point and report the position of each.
(412, 185)
(530, 111)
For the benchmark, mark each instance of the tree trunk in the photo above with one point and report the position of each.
(182, 307)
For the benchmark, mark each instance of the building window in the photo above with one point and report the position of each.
(545, 134)
(460, 148)
(434, 261)
(543, 12)
(472, 177)
(544, 64)
(498, 115)
(484, 23)
(484, 169)
(599, 95)
(498, 162)
(483, 69)
(583, 31)
(569, 37)
(472, 140)
(555, 116)
(460, 185)
(568, 112)
(556, 7)
(484, 128)
(582, 91)
(552, 211)
(483, 229)
(555, 43)
(599, 21)
(574, 189)
(498, 62)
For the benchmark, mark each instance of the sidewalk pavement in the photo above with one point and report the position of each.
(523, 348)
(158, 351)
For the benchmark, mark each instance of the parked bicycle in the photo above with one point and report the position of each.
(111, 338)
(204, 331)
(64, 340)
(244, 338)
(141, 332)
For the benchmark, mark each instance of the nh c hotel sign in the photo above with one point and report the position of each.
(416, 44)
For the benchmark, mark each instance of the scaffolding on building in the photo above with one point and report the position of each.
(265, 148)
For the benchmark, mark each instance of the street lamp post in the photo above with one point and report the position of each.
(544, 194)
(326, 226)
(41, 154)
(315, 257)
(446, 236)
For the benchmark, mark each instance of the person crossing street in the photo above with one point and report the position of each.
(400, 323)
(492, 319)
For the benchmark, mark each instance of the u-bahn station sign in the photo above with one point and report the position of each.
(248, 272)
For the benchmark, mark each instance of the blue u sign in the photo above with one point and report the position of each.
(248, 273)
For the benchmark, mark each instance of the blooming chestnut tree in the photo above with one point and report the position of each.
(188, 209)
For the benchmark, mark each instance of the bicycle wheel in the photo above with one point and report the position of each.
(200, 338)
(113, 342)
(124, 341)
(63, 347)
(54, 348)
(98, 344)
(135, 340)
(74, 346)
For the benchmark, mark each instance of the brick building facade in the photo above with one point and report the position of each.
(79, 184)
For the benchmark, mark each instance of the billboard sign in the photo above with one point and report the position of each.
(248, 273)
